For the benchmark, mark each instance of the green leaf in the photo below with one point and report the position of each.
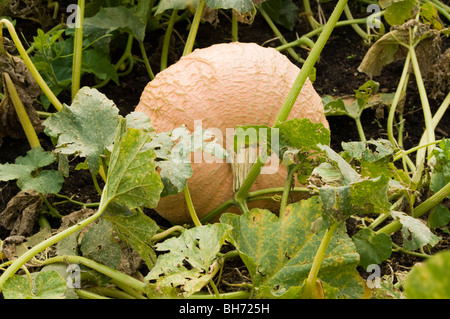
(14, 171)
(132, 180)
(173, 150)
(415, 233)
(136, 228)
(430, 280)
(399, 11)
(372, 157)
(302, 134)
(97, 63)
(27, 172)
(187, 264)
(372, 248)
(349, 175)
(118, 18)
(279, 251)
(47, 182)
(370, 196)
(46, 285)
(98, 244)
(283, 12)
(241, 6)
(362, 197)
(139, 121)
(439, 217)
(87, 127)
(36, 158)
(429, 14)
(370, 151)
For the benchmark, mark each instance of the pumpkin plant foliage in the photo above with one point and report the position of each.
(278, 251)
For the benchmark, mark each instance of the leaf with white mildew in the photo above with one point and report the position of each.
(87, 127)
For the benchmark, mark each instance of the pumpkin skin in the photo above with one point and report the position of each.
(224, 85)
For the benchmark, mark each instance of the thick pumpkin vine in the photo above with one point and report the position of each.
(304, 252)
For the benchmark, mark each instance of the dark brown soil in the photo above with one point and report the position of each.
(336, 74)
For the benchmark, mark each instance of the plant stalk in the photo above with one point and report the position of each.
(279, 35)
(287, 188)
(77, 48)
(190, 206)
(26, 59)
(398, 94)
(355, 26)
(418, 211)
(167, 37)
(146, 61)
(234, 28)
(436, 119)
(312, 276)
(22, 114)
(118, 276)
(194, 28)
(429, 129)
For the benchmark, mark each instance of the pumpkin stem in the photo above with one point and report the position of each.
(241, 164)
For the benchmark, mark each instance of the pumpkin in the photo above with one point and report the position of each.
(224, 85)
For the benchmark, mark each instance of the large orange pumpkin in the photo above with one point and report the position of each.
(224, 86)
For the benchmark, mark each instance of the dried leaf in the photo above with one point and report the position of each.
(21, 213)
(27, 89)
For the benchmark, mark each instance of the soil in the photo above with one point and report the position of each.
(336, 74)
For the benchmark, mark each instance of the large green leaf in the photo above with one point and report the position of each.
(430, 280)
(87, 127)
(132, 180)
(46, 285)
(279, 251)
(187, 264)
